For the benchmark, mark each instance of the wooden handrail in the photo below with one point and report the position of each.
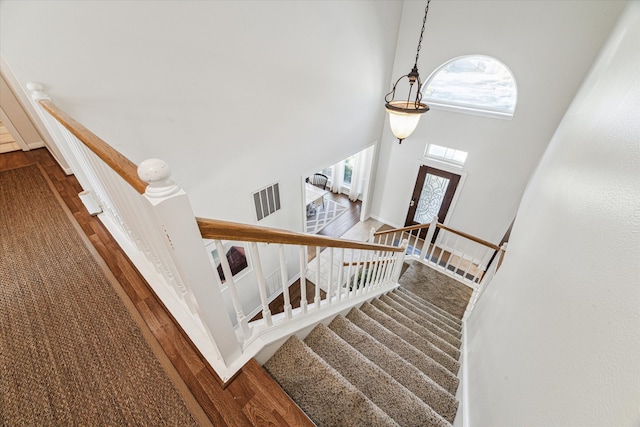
(225, 230)
(395, 230)
(116, 161)
(444, 227)
(470, 237)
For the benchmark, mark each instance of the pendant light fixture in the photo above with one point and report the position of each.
(404, 115)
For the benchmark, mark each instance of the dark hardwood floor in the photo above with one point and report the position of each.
(345, 221)
(252, 398)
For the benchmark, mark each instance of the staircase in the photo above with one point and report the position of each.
(393, 361)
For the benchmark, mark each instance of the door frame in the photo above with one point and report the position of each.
(447, 168)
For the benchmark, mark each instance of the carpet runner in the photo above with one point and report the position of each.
(70, 352)
(391, 362)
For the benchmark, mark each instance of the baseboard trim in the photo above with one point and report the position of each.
(465, 378)
(385, 221)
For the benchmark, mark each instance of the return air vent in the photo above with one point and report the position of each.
(267, 201)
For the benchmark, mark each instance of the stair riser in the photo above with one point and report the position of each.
(423, 321)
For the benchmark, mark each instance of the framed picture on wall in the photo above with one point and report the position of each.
(237, 255)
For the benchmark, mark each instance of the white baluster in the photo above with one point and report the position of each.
(356, 279)
(388, 270)
(376, 269)
(330, 279)
(453, 250)
(442, 239)
(316, 299)
(399, 260)
(235, 299)
(349, 281)
(372, 233)
(303, 279)
(367, 268)
(262, 286)
(416, 249)
(340, 274)
(429, 237)
(461, 257)
(285, 282)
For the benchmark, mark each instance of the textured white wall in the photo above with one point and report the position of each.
(555, 339)
(549, 46)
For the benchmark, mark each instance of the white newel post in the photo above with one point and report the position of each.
(399, 261)
(428, 238)
(176, 217)
(61, 148)
(372, 238)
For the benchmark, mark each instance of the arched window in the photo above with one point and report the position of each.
(474, 84)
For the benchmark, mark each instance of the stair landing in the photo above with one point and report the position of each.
(439, 289)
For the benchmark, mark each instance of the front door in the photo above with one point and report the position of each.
(432, 196)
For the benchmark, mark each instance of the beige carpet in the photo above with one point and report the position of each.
(439, 289)
(70, 352)
(392, 362)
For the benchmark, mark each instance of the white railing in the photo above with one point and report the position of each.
(452, 252)
(152, 220)
(344, 274)
(466, 258)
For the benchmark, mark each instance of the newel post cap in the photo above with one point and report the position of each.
(156, 173)
(37, 91)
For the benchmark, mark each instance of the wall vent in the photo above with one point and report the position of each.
(267, 201)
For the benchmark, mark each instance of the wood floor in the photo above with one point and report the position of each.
(344, 222)
(252, 398)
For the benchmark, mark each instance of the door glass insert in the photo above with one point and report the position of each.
(431, 197)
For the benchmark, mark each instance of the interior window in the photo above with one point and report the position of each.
(474, 84)
(348, 171)
(446, 154)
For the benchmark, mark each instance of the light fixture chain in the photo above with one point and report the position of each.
(424, 21)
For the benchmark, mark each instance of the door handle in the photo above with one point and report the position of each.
(413, 202)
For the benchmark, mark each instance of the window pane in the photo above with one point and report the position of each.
(477, 82)
(348, 171)
(449, 155)
(431, 198)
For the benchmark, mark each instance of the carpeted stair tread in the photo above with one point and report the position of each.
(444, 322)
(436, 327)
(443, 402)
(425, 302)
(428, 305)
(442, 344)
(322, 393)
(410, 336)
(439, 289)
(407, 351)
(382, 389)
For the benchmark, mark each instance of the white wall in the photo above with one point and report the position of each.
(549, 46)
(235, 95)
(555, 339)
(19, 121)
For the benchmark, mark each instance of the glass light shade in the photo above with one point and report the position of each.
(404, 117)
